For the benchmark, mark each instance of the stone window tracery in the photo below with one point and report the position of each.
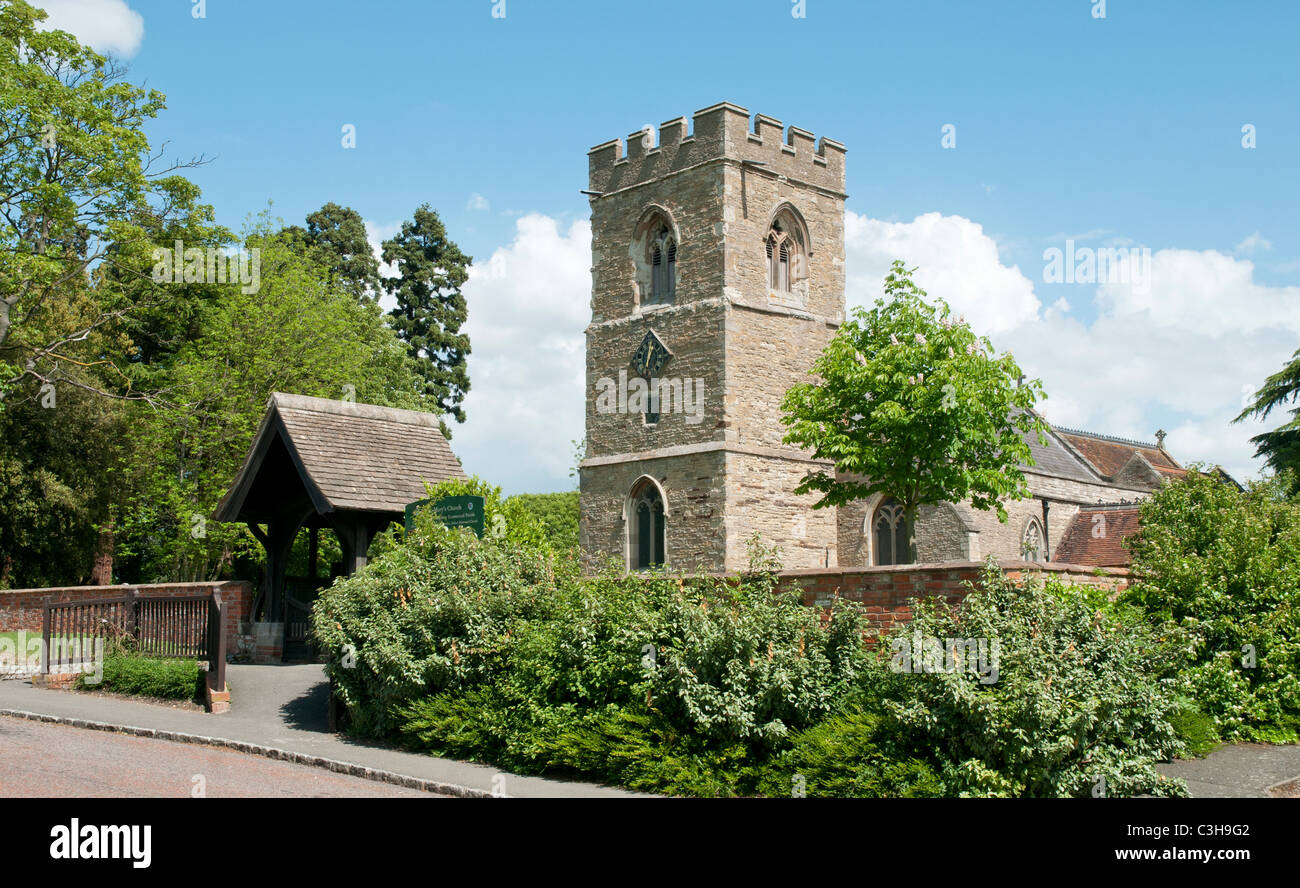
(891, 534)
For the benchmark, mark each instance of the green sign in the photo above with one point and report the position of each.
(453, 511)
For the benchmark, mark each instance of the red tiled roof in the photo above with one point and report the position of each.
(1096, 535)
(1109, 455)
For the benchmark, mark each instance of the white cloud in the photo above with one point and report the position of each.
(1185, 348)
(108, 26)
(1254, 242)
(528, 307)
(955, 258)
(477, 202)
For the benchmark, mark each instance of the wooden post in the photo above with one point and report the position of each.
(45, 639)
(216, 644)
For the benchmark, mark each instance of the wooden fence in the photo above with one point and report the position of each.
(192, 627)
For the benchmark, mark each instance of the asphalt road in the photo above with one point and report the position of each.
(47, 760)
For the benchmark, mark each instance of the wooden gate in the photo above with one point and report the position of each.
(299, 596)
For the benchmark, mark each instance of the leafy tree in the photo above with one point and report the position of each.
(57, 473)
(297, 333)
(911, 404)
(1280, 447)
(76, 177)
(431, 309)
(340, 234)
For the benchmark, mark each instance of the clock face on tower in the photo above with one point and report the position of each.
(650, 356)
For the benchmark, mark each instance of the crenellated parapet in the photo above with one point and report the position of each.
(719, 132)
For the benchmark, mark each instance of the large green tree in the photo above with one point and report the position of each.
(340, 234)
(336, 237)
(431, 308)
(300, 332)
(77, 175)
(910, 403)
(57, 477)
(1280, 448)
(83, 201)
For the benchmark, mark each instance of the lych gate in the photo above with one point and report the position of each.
(316, 463)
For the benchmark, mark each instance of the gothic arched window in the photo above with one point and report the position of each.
(787, 252)
(891, 536)
(1031, 541)
(663, 266)
(647, 537)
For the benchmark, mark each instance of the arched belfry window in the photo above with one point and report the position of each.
(654, 249)
(647, 534)
(786, 246)
(663, 262)
(891, 537)
(1031, 541)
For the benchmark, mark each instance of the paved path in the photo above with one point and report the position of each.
(284, 707)
(1245, 770)
(48, 760)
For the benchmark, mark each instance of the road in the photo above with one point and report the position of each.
(57, 761)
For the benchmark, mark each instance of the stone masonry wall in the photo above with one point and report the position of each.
(943, 532)
(717, 186)
(761, 499)
(693, 491)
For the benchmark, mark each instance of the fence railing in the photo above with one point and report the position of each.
(77, 633)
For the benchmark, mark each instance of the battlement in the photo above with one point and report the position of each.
(721, 131)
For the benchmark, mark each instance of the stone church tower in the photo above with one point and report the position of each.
(717, 278)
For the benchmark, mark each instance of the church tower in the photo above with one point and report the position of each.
(717, 278)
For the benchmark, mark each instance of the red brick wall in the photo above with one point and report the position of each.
(22, 608)
(884, 591)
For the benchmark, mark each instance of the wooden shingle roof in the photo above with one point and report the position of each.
(350, 457)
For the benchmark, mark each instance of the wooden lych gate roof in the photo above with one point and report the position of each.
(347, 456)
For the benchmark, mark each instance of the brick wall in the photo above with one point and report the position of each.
(23, 608)
(884, 591)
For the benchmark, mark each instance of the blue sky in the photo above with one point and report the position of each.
(1124, 130)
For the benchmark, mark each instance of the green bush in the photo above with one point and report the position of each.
(1222, 567)
(853, 754)
(408, 625)
(1073, 707)
(557, 513)
(1198, 731)
(127, 673)
(496, 650)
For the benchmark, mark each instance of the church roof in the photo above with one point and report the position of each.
(1056, 460)
(1109, 455)
(348, 456)
(1095, 537)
